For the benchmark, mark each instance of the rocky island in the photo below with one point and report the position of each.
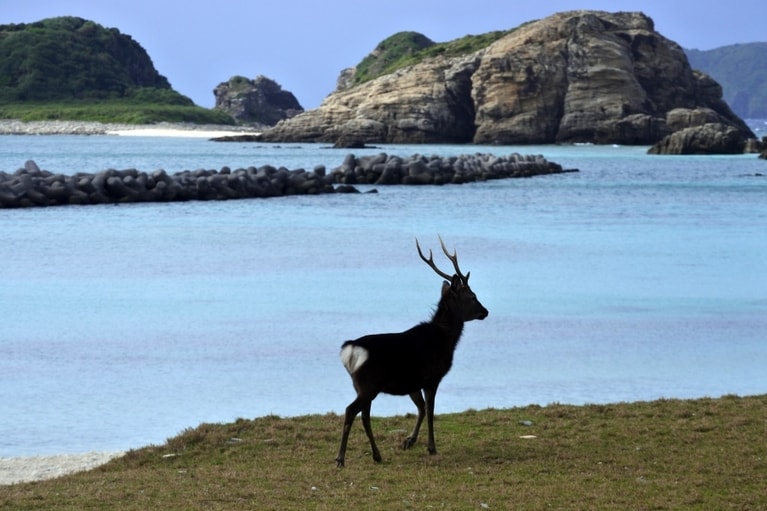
(578, 76)
(259, 102)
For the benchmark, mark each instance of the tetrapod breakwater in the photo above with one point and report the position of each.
(30, 186)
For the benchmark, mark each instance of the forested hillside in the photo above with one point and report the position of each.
(71, 68)
(71, 58)
(741, 69)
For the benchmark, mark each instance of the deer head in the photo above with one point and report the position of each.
(456, 285)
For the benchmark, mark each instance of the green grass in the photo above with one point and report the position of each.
(121, 111)
(670, 454)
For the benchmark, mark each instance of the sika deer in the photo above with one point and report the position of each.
(412, 362)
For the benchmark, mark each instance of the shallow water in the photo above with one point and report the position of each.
(637, 278)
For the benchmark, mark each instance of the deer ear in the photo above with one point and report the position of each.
(456, 283)
(445, 287)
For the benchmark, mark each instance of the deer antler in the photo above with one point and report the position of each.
(453, 258)
(430, 262)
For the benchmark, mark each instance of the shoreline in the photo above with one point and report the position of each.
(163, 129)
(26, 469)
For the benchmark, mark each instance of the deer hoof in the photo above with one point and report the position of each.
(408, 442)
(377, 457)
(340, 462)
(432, 450)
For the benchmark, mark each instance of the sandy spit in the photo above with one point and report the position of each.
(37, 468)
(164, 129)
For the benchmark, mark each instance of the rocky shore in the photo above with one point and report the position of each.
(31, 186)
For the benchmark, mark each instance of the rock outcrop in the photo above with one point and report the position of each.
(259, 101)
(30, 186)
(710, 138)
(579, 76)
(427, 103)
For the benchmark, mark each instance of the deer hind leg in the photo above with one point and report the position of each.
(351, 412)
(417, 398)
(430, 394)
(369, 431)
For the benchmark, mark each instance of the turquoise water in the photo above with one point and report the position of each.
(638, 277)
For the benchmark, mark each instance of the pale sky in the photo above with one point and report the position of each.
(303, 44)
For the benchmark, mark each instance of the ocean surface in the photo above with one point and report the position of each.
(639, 277)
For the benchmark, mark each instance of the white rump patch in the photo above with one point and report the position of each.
(353, 357)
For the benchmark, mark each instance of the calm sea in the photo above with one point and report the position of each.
(639, 277)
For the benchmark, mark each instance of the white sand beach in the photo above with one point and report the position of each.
(164, 129)
(37, 468)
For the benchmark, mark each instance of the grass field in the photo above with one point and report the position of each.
(707, 454)
(118, 111)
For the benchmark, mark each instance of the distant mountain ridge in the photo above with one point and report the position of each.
(741, 70)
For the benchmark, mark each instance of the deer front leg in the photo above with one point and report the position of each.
(430, 394)
(417, 398)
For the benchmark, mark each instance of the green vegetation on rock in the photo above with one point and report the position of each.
(741, 70)
(239, 83)
(408, 48)
(389, 53)
(71, 68)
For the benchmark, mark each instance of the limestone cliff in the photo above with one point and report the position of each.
(578, 76)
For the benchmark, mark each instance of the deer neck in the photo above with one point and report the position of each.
(449, 319)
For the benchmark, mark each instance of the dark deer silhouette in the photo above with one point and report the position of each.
(412, 362)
